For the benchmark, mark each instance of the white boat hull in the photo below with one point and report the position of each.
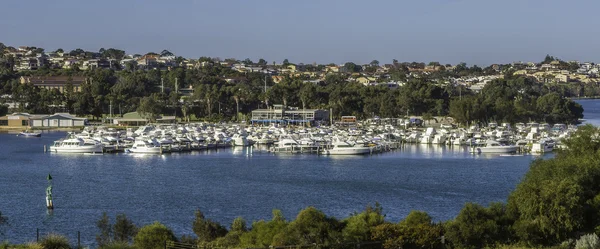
(153, 150)
(78, 149)
(349, 151)
(497, 149)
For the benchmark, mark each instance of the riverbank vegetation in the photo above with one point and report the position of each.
(556, 205)
(215, 92)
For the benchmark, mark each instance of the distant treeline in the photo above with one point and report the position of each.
(556, 205)
(220, 93)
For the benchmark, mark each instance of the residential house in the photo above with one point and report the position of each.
(365, 80)
(148, 61)
(96, 63)
(332, 69)
(55, 82)
(562, 78)
(70, 63)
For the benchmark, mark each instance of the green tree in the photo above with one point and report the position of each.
(359, 226)
(153, 236)
(310, 227)
(124, 230)
(105, 228)
(206, 229)
(263, 232)
(478, 227)
(3, 110)
(149, 108)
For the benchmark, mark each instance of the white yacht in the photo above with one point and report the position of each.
(492, 146)
(345, 148)
(240, 140)
(542, 146)
(72, 144)
(145, 147)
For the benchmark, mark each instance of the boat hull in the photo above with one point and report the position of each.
(349, 151)
(497, 149)
(78, 149)
(145, 150)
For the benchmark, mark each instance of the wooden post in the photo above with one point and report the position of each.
(78, 240)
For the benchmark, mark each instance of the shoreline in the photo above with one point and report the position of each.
(584, 98)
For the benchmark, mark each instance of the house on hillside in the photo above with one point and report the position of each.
(55, 82)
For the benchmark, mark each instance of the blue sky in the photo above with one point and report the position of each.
(324, 31)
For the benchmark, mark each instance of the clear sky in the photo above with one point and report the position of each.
(324, 31)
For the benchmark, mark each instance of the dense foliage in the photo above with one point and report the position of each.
(220, 92)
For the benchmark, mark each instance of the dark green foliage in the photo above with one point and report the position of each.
(3, 110)
(478, 227)
(310, 227)
(153, 236)
(358, 227)
(262, 232)
(206, 229)
(55, 241)
(124, 230)
(416, 231)
(559, 198)
(117, 245)
(105, 228)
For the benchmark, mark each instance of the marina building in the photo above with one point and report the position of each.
(58, 120)
(24, 120)
(135, 119)
(280, 114)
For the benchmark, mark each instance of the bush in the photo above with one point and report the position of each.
(117, 245)
(153, 236)
(55, 241)
(588, 241)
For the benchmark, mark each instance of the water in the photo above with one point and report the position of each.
(591, 111)
(228, 183)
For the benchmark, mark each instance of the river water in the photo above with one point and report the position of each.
(228, 183)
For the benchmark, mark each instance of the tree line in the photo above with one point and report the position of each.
(220, 93)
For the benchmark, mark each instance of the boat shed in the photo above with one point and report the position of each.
(16, 120)
(58, 120)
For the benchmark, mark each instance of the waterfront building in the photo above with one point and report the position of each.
(58, 120)
(135, 119)
(16, 120)
(289, 115)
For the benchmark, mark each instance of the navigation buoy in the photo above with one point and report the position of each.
(49, 203)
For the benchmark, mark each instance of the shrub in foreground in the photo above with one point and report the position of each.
(153, 236)
(55, 241)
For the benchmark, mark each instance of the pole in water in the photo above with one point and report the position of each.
(49, 203)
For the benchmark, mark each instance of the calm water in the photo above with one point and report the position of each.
(225, 184)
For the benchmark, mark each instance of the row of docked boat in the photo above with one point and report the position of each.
(367, 139)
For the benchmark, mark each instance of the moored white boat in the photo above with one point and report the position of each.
(492, 146)
(345, 148)
(73, 144)
(145, 147)
(29, 134)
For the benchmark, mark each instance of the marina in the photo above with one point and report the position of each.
(226, 181)
(364, 138)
